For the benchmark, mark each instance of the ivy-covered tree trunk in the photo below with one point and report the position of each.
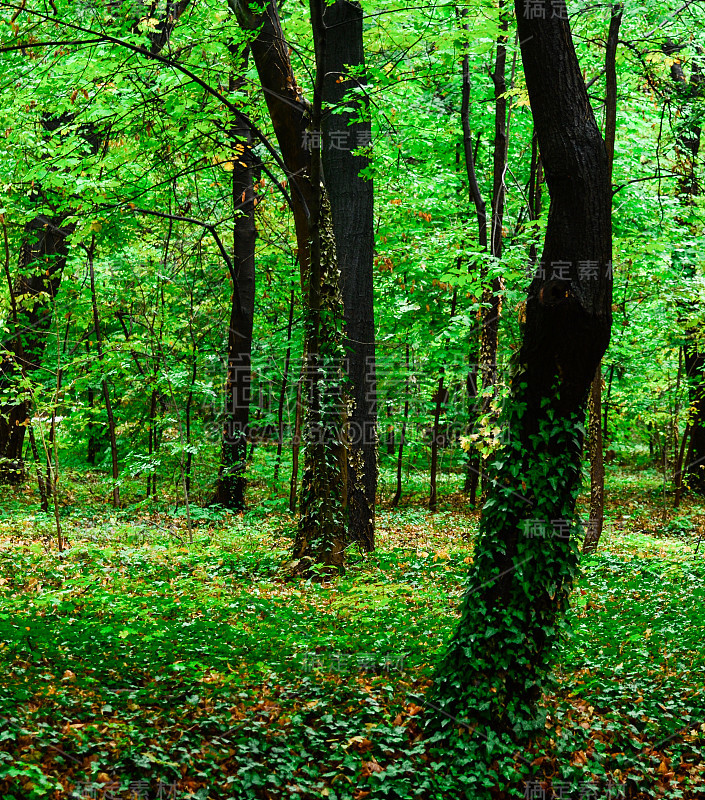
(320, 536)
(527, 553)
(41, 263)
(321, 531)
(340, 57)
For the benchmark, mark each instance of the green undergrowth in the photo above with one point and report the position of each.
(137, 662)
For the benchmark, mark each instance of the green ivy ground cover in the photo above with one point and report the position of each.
(136, 666)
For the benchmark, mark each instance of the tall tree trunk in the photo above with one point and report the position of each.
(230, 491)
(282, 393)
(340, 56)
(501, 651)
(321, 530)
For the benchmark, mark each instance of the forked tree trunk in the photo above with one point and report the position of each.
(321, 531)
(501, 651)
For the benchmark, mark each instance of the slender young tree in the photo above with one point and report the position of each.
(595, 444)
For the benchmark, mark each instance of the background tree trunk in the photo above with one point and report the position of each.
(688, 147)
(595, 443)
(230, 490)
(41, 264)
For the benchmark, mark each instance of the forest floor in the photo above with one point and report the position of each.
(137, 665)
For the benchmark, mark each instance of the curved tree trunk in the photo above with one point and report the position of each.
(501, 651)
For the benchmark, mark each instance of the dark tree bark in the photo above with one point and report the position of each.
(321, 531)
(42, 260)
(338, 27)
(230, 491)
(498, 658)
